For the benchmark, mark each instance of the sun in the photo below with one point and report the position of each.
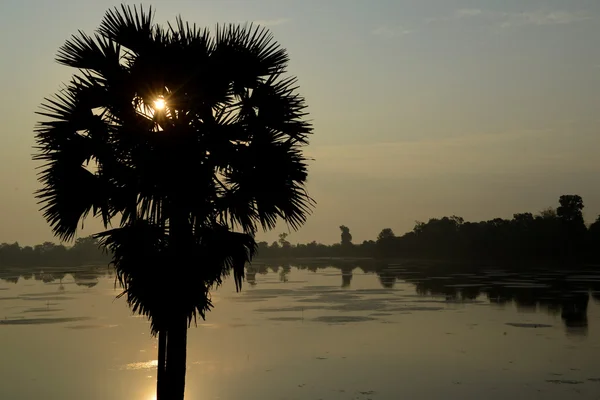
(159, 104)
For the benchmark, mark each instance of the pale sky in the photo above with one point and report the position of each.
(421, 108)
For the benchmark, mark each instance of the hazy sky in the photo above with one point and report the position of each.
(421, 108)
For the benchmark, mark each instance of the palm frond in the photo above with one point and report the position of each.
(221, 251)
(280, 108)
(97, 54)
(141, 254)
(251, 46)
(70, 191)
(130, 27)
(69, 198)
(266, 182)
(190, 36)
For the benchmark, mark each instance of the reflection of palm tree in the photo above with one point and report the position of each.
(184, 137)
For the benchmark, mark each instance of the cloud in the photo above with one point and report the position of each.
(458, 14)
(391, 31)
(508, 20)
(468, 12)
(271, 22)
(539, 18)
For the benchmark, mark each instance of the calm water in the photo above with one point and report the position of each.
(325, 334)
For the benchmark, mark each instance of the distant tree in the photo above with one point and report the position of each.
(283, 242)
(87, 250)
(573, 229)
(10, 254)
(571, 209)
(547, 213)
(523, 235)
(27, 256)
(457, 220)
(524, 220)
(437, 237)
(385, 234)
(46, 247)
(346, 236)
(419, 227)
(50, 254)
(386, 243)
(595, 226)
(262, 249)
(594, 239)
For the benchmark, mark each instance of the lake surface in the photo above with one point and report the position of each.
(314, 333)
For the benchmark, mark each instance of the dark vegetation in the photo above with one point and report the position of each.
(85, 251)
(553, 235)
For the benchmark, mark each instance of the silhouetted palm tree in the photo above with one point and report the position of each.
(190, 142)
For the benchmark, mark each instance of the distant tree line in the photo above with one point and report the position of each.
(84, 251)
(554, 234)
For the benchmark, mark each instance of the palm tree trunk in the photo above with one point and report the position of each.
(180, 235)
(176, 361)
(161, 378)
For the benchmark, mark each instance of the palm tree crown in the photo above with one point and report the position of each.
(191, 142)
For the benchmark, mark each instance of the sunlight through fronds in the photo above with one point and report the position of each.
(159, 104)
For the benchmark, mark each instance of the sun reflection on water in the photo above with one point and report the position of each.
(142, 365)
(149, 394)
